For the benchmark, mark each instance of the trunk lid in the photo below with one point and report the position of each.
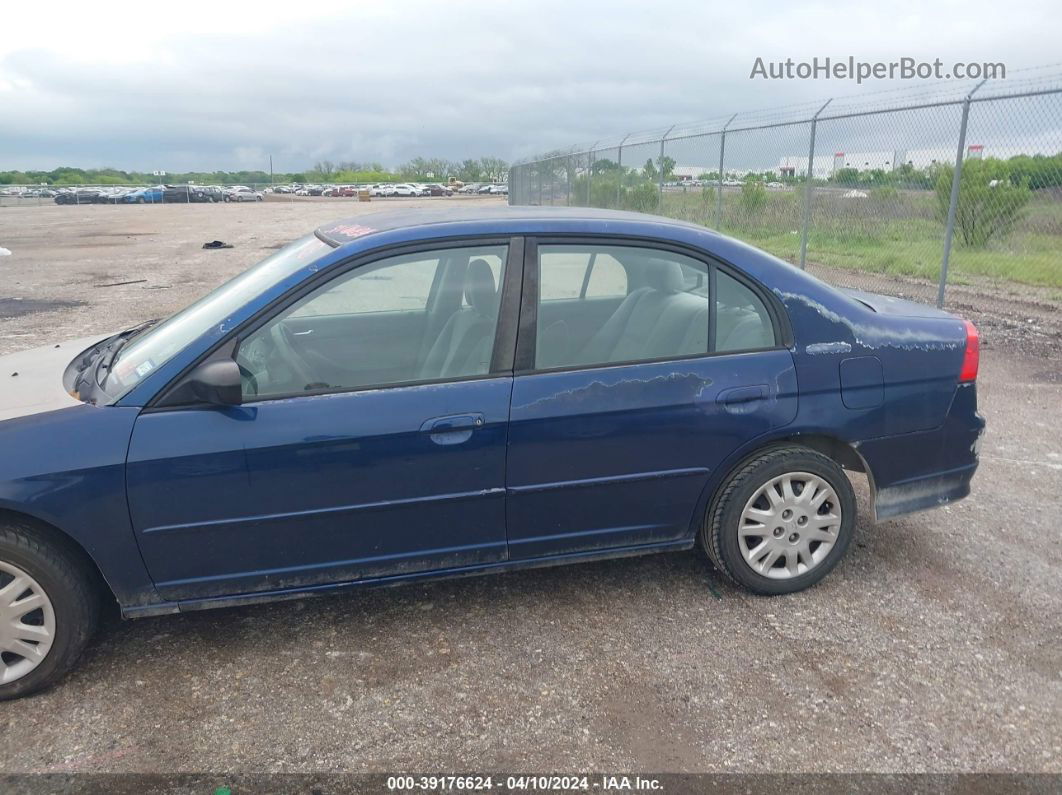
(887, 305)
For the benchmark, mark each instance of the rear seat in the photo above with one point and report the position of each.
(656, 321)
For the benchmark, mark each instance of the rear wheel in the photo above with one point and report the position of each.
(48, 611)
(782, 520)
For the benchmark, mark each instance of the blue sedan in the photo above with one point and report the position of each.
(145, 195)
(420, 394)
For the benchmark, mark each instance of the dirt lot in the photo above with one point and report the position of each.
(935, 646)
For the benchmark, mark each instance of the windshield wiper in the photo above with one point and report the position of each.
(115, 344)
(109, 352)
(132, 332)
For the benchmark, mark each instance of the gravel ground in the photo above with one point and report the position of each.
(935, 646)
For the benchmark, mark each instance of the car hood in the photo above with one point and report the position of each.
(32, 381)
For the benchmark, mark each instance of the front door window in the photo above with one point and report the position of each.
(415, 317)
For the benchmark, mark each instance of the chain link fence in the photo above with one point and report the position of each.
(903, 192)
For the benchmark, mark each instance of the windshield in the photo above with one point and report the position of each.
(150, 350)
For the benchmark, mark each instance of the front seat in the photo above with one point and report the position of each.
(465, 343)
(655, 321)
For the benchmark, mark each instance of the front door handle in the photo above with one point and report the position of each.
(452, 429)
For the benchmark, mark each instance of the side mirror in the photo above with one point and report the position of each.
(217, 382)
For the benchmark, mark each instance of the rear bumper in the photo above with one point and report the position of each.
(923, 493)
(916, 471)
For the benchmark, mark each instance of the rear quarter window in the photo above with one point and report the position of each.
(742, 319)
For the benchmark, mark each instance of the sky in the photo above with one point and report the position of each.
(224, 85)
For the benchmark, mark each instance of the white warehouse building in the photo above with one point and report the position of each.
(826, 165)
(691, 172)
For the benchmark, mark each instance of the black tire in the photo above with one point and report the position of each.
(719, 535)
(74, 599)
(140, 199)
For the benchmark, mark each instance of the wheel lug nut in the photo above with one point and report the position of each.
(794, 537)
(778, 532)
(786, 513)
(802, 520)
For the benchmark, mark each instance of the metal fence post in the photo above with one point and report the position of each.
(809, 187)
(619, 171)
(568, 177)
(719, 192)
(956, 178)
(590, 176)
(538, 171)
(660, 164)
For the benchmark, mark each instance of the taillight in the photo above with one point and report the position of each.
(973, 353)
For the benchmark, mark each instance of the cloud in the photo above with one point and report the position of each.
(225, 85)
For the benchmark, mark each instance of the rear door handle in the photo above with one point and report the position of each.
(452, 429)
(742, 399)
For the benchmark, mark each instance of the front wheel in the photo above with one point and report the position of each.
(781, 521)
(48, 611)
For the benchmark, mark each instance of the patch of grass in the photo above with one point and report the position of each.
(890, 235)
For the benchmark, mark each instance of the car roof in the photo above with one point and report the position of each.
(478, 219)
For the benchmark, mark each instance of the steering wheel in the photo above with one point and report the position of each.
(284, 344)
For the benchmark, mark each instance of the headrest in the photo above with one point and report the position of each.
(480, 291)
(665, 275)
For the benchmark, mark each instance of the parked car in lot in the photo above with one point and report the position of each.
(668, 387)
(405, 189)
(189, 194)
(241, 193)
(152, 195)
(29, 193)
(79, 196)
(438, 190)
(382, 190)
(115, 195)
